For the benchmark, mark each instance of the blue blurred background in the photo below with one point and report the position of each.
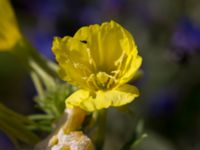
(167, 33)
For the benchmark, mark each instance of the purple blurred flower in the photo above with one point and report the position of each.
(42, 41)
(143, 13)
(113, 7)
(186, 38)
(5, 143)
(90, 15)
(162, 103)
(47, 10)
(45, 15)
(102, 10)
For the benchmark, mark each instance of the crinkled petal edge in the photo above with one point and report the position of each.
(92, 101)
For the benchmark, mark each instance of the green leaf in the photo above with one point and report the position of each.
(15, 126)
(137, 137)
(53, 101)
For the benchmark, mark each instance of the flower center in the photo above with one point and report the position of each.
(101, 81)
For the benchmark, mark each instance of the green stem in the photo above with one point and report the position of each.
(48, 80)
(15, 126)
(75, 118)
(37, 84)
(34, 62)
(101, 131)
(13, 115)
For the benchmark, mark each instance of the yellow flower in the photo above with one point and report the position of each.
(9, 32)
(100, 60)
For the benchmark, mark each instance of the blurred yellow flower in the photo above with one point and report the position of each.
(9, 31)
(100, 60)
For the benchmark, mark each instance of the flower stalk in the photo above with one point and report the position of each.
(101, 130)
(75, 118)
(41, 70)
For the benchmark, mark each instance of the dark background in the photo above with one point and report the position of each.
(167, 33)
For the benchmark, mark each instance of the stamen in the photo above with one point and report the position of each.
(92, 83)
(120, 65)
(91, 60)
(105, 80)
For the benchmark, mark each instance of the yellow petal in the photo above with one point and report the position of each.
(9, 32)
(106, 43)
(73, 60)
(91, 101)
(130, 69)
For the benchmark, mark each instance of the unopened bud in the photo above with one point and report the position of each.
(73, 141)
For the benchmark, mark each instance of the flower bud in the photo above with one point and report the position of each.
(75, 140)
(9, 31)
